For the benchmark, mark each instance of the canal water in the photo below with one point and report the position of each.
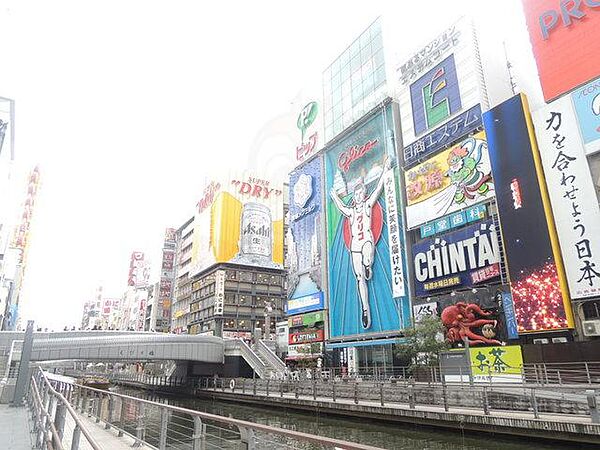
(380, 434)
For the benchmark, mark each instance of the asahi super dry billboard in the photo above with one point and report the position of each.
(239, 219)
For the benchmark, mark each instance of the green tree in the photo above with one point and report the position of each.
(423, 342)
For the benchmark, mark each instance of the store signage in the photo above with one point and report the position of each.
(572, 194)
(450, 181)
(463, 257)
(587, 106)
(497, 364)
(446, 134)
(308, 319)
(307, 303)
(565, 37)
(425, 309)
(509, 314)
(435, 96)
(306, 336)
(455, 220)
(219, 292)
(429, 54)
(300, 351)
(570, 12)
(354, 153)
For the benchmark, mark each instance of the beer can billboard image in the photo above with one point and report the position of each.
(239, 219)
(366, 252)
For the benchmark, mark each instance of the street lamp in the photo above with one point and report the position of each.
(268, 311)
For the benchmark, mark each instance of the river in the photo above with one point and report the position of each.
(380, 434)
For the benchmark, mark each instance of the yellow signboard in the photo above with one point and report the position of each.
(239, 219)
(501, 362)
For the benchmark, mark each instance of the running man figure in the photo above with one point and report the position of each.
(362, 245)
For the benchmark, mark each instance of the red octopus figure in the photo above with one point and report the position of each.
(460, 318)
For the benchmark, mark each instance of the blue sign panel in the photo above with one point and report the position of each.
(450, 132)
(509, 314)
(587, 106)
(460, 258)
(476, 213)
(427, 230)
(312, 302)
(457, 219)
(442, 224)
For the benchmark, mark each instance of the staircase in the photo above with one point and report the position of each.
(260, 357)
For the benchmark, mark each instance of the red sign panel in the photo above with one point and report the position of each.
(306, 336)
(565, 35)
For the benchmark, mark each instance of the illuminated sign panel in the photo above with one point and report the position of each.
(538, 284)
(565, 36)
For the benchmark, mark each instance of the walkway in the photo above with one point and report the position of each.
(14, 428)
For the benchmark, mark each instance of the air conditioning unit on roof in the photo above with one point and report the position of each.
(591, 327)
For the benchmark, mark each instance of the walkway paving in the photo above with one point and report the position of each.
(14, 428)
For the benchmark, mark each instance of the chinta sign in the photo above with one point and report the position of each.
(462, 258)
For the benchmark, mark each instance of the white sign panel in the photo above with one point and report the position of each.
(424, 310)
(389, 184)
(572, 195)
(219, 292)
(439, 81)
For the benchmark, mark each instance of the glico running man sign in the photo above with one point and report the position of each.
(366, 253)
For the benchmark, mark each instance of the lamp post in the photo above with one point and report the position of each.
(268, 311)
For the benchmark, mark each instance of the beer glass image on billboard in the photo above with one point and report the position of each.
(365, 248)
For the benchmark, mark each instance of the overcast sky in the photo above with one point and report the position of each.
(126, 105)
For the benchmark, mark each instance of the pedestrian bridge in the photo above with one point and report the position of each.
(205, 353)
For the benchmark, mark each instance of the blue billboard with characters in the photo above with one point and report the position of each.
(368, 293)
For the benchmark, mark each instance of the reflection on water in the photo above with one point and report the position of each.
(380, 434)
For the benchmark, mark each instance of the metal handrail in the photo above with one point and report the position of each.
(249, 356)
(41, 410)
(42, 376)
(268, 354)
(240, 424)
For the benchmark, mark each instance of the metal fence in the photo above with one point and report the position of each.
(55, 423)
(164, 426)
(533, 401)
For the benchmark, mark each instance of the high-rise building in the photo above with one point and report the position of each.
(182, 285)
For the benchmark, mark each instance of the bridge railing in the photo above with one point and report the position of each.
(165, 426)
(55, 422)
(268, 354)
(529, 401)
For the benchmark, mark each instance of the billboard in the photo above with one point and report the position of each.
(572, 194)
(239, 220)
(538, 284)
(565, 37)
(139, 270)
(439, 85)
(502, 364)
(366, 252)
(587, 107)
(305, 279)
(454, 220)
(310, 129)
(168, 259)
(170, 236)
(306, 336)
(451, 180)
(462, 258)
(307, 320)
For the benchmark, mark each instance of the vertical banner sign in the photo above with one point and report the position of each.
(362, 298)
(572, 194)
(389, 186)
(512, 330)
(538, 283)
(303, 239)
(219, 292)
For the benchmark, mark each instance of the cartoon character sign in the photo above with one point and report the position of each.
(449, 181)
(359, 213)
(366, 254)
